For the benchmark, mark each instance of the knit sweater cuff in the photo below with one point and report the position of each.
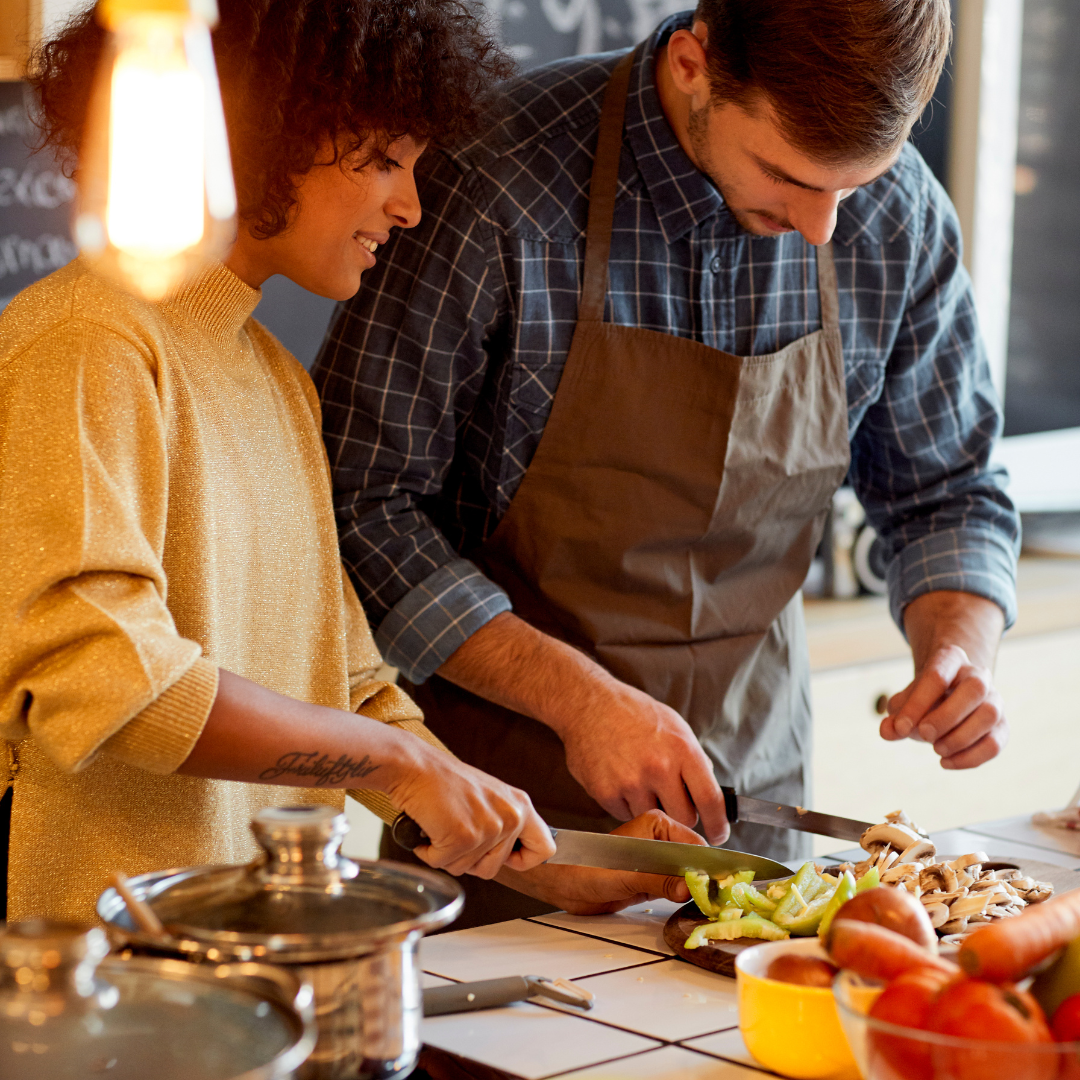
(160, 738)
(377, 802)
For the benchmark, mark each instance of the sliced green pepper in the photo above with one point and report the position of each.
(870, 880)
(743, 877)
(842, 894)
(749, 926)
(804, 922)
(802, 890)
(697, 881)
(750, 899)
(729, 913)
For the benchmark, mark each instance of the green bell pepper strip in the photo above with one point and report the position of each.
(730, 913)
(802, 890)
(743, 877)
(750, 899)
(870, 880)
(750, 926)
(805, 922)
(843, 893)
(697, 881)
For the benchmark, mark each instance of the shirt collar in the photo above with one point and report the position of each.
(216, 300)
(681, 194)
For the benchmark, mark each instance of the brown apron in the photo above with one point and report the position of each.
(665, 526)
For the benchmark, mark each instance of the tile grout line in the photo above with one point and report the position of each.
(606, 1061)
(596, 937)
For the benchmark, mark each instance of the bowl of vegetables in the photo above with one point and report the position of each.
(787, 1012)
(1007, 1006)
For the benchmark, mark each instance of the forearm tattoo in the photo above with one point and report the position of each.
(327, 772)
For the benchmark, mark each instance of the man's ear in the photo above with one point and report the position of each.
(687, 62)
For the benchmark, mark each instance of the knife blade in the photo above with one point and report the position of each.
(656, 856)
(606, 852)
(764, 812)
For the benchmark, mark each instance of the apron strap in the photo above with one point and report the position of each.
(828, 292)
(603, 187)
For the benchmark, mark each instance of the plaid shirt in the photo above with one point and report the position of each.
(438, 377)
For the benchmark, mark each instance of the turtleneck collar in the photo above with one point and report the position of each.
(217, 301)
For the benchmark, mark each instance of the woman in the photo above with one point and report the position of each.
(176, 630)
(174, 616)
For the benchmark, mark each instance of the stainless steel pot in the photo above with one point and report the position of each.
(350, 929)
(68, 1011)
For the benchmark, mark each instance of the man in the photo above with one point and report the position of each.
(586, 420)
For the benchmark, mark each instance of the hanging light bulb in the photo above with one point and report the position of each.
(156, 195)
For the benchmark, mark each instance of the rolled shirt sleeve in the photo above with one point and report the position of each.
(921, 454)
(92, 660)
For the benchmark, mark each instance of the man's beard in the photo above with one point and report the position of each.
(697, 128)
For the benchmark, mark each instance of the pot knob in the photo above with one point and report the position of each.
(303, 844)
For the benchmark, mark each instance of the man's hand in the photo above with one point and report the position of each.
(584, 891)
(952, 701)
(630, 752)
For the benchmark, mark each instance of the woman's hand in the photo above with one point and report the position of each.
(471, 818)
(584, 891)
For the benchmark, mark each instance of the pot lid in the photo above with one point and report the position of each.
(67, 1010)
(300, 901)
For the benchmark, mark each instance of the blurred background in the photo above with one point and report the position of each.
(1000, 136)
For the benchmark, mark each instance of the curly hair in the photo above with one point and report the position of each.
(847, 78)
(297, 74)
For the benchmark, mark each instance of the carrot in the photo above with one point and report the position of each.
(878, 953)
(1006, 950)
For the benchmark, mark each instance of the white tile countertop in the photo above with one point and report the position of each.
(656, 1016)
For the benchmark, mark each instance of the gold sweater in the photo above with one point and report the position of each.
(165, 510)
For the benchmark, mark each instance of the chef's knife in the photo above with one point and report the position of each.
(631, 853)
(763, 812)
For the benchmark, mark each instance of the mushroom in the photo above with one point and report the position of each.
(966, 861)
(966, 906)
(885, 860)
(939, 915)
(920, 849)
(894, 834)
(932, 878)
(901, 871)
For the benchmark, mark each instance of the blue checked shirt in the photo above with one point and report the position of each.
(438, 377)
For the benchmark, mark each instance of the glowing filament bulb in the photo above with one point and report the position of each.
(156, 196)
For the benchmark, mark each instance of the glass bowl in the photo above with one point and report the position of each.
(885, 1051)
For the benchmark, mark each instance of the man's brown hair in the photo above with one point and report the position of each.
(847, 79)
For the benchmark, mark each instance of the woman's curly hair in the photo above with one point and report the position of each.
(296, 74)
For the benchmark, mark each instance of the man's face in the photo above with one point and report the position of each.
(768, 185)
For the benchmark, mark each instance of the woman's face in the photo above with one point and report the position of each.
(344, 212)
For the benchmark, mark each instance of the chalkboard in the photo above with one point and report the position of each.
(35, 201)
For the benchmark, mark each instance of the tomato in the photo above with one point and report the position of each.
(1066, 1028)
(973, 1009)
(1066, 1025)
(907, 1002)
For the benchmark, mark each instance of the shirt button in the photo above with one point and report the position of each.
(715, 265)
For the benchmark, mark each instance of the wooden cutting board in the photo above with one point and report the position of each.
(719, 956)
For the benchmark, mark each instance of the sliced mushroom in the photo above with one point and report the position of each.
(892, 833)
(901, 871)
(948, 875)
(885, 860)
(932, 878)
(954, 926)
(899, 817)
(920, 849)
(965, 861)
(939, 914)
(1043, 891)
(966, 906)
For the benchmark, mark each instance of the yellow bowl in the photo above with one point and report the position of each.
(793, 1030)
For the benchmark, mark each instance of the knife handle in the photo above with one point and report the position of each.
(731, 804)
(467, 997)
(408, 834)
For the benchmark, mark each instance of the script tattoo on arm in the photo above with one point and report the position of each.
(326, 770)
